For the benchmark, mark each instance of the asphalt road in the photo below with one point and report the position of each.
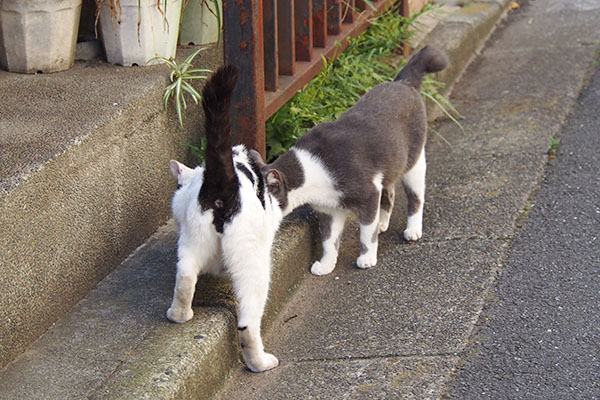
(539, 337)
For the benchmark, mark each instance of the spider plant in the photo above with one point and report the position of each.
(182, 74)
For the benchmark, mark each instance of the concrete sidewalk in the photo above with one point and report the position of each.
(404, 328)
(116, 343)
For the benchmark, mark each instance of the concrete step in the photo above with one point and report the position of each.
(116, 342)
(84, 180)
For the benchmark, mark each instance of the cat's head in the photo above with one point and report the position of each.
(275, 179)
(182, 174)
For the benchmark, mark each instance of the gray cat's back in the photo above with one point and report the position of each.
(379, 134)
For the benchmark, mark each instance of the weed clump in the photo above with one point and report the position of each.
(369, 59)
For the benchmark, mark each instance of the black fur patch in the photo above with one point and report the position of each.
(260, 191)
(246, 171)
(220, 189)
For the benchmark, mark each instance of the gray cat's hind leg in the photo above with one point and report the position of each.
(414, 186)
(331, 223)
(369, 217)
(388, 195)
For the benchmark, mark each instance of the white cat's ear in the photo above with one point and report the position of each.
(181, 173)
(175, 168)
(255, 157)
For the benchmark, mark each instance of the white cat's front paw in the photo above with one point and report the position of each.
(261, 362)
(413, 233)
(367, 260)
(321, 269)
(179, 315)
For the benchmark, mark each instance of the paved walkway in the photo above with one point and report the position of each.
(407, 327)
(540, 336)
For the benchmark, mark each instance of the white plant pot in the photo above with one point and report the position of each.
(38, 35)
(198, 24)
(127, 44)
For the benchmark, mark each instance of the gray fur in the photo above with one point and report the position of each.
(382, 135)
(386, 200)
(412, 200)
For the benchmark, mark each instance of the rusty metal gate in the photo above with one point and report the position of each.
(277, 46)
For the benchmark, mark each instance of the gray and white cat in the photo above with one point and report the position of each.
(227, 221)
(352, 164)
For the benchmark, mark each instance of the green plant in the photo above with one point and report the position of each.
(197, 152)
(182, 74)
(369, 59)
(430, 90)
(553, 150)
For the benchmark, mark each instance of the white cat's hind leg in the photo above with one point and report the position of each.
(251, 288)
(331, 223)
(388, 196)
(190, 262)
(369, 219)
(250, 266)
(414, 186)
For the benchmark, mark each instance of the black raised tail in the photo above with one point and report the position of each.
(425, 61)
(219, 190)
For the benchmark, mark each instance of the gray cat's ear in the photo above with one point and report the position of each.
(275, 181)
(256, 158)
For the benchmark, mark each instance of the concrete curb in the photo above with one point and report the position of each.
(152, 358)
(461, 35)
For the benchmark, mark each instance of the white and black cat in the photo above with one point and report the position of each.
(227, 221)
(352, 164)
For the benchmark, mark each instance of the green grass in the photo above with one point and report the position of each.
(553, 149)
(369, 59)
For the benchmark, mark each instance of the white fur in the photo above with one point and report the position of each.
(243, 251)
(319, 191)
(385, 215)
(330, 245)
(369, 232)
(318, 188)
(414, 179)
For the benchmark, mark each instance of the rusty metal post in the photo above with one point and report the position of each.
(405, 11)
(334, 17)
(243, 41)
(286, 37)
(348, 12)
(304, 29)
(319, 8)
(270, 45)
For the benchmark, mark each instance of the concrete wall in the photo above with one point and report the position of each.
(86, 182)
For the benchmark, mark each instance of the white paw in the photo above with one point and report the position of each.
(260, 363)
(179, 315)
(413, 233)
(367, 260)
(321, 269)
(383, 226)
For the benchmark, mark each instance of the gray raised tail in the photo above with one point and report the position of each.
(425, 61)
